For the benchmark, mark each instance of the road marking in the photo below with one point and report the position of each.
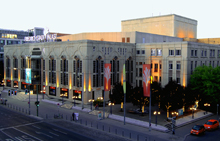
(186, 136)
(36, 127)
(28, 134)
(53, 133)
(20, 125)
(60, 131)
(7, 134)
(44, 134)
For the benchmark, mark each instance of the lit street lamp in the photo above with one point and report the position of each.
(192, 112)
(156, 113)
(91, 101)
(110, 104)
(206, 105)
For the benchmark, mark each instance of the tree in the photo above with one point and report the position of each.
(138, 98)
(156, 91)
(172, 97)
(117, 95)
(206, 81)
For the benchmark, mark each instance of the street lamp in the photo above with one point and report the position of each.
(156, 113)
(192, 112)
(91, 101)
(110, 104)
(206, 105)
(174, 114)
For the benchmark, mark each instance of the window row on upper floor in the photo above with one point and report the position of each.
(204, 53)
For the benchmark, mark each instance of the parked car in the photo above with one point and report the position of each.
(211, 124)
(197, 130)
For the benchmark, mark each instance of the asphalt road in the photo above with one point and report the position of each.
(209, 135)
(18, 127)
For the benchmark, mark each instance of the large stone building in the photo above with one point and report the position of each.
(61, 68)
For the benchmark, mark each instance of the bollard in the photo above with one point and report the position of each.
(91, 124)
(122, 133)
(116, 131)
(137, 137)
(66, 117)
(130, 135)
(19, 109)
(102, 127)
(86, 122)
(97, 126)
(109, 129)
(80, 121)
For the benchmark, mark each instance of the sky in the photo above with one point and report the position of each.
(79, 16)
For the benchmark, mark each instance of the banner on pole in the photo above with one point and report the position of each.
(107, 77)
(146, 79)
(124, 79)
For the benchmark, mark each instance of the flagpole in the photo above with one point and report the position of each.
(82, 89)
(150, 98)
(104, 96)
(124, 87)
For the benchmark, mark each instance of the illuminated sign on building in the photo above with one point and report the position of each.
(28, 76)
(41, 37)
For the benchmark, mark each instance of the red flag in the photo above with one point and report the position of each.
(146, 79)
(107, 77)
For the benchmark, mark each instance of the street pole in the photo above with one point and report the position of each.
(150, 98)
(82, 89)
(156, 119)
(29, 100)
(104, 105)
(74, 102)
(217, 112)
(37, 98)
(192, 113)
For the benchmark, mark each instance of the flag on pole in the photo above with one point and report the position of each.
(107, 77)
(124, 79)
(146, 79)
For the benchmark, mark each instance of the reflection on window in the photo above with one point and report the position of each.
(9, 36)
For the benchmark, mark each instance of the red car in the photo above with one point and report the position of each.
(197, 130)
(211, 124)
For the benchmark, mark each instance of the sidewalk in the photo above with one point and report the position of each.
(141, 122)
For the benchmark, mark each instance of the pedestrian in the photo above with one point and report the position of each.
(73, 115)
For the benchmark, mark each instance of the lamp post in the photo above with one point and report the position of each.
(110, 104)
(74, 97)
(91, 101)
(156, 113)
(192, 112)
(206, 105)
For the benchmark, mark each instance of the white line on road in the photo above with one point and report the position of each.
(36, 127)
(28, 134)
(60, 131)
(44, 134)
(53, 133)
(186, 136)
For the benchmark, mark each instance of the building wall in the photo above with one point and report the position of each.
(215, 41)
(87, 51)
(169, 25)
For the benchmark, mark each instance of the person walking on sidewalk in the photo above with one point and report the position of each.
(73, 115)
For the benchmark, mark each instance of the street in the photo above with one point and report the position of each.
(209, 135)
(15, 126)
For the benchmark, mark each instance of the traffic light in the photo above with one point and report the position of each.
(37, 103)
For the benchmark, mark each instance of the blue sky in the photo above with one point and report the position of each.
(77, 16)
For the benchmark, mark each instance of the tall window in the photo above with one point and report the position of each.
(98, 72)
(155, 67)
(15, 65)
(171, 52)
(8, 65)
(115, 70)
(159, 52)
(52, 71)
(64, 71)
(77, 72)
(178, 52)
(153, 52)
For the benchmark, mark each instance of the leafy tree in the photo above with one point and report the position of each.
(172, 97)
(156, 91)
(206, 81)
(137, 97)
(117, 95)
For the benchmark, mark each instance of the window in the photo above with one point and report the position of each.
(103, 49)
(218, 55)
(123, 40)
(178, 80)
(136, 71)
(213, 53)
(170, 66)
(192, 52)
(153, 52)
(93, 49)
(170, 78)
(140, 72)
(155, 67)
(138, 51)
(160, 66)
(140, 63)
(195, 52)
(171, 52)
(201, 53)
(128, 40)
(178, 52)
(210, 53)
(143, 40)
(159, 52)
(195, 64)
(143, 52)
(178, 66)
(205, 53)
